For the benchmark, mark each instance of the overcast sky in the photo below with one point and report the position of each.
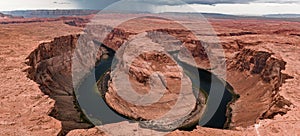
(238, 7)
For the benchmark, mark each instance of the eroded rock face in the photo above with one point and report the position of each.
(76, 21)
(51, 68)
(249, 72)
(190, 50)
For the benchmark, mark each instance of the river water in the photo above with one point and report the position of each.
(97, 111)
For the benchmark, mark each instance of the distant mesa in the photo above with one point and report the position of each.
(6, 16)
(85, 12)
(282, 15)
(51, 13)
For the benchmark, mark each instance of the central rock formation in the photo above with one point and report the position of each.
(147, 84)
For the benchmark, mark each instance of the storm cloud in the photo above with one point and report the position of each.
(100, 4)
(205, 2)
(212, 2)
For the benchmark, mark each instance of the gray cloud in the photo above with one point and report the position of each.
(93, 4)
(213, 2)
(61, 2)
(100, 4)
(206, 2)
(278, 1)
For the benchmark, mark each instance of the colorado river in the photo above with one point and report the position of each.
(97, 111)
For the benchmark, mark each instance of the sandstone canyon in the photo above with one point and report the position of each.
(38, 96)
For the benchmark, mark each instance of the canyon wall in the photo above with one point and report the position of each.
(256, 76)
(51, 68)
